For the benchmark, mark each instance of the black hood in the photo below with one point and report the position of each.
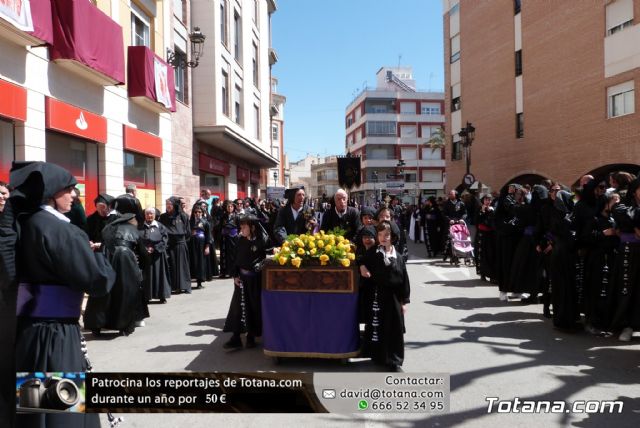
(563, 202)
(125, 204)
(37, 182)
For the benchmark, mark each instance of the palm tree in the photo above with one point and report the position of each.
(437, 140)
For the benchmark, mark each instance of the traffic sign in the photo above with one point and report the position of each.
(469, 179)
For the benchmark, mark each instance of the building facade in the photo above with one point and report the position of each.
(324, 178)
(300, 171)
(549, 88)
(232, 97)
(85, 85)
(392, 123)
(276, 176)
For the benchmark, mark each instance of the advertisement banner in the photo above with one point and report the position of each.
(395, 187)
(162, 83)
(17, 13)
(275, 192)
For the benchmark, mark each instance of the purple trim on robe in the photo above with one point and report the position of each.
(310, 322)
(48, 301)
(629, 238)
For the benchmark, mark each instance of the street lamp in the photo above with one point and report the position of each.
(467, 135)
(178, 60)
(275, 178)
(374, 176)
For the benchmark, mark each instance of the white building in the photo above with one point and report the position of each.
(390, 123)
(300, 171)
(232, 95)
(277, 176)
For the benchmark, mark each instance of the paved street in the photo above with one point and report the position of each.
(455, 324)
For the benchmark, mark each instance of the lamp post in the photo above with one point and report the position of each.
(275, 178)
(374, 176)
(467, 135)
(400, 167)
(178, 60)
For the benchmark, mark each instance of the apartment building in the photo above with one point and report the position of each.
(388, 127)
(548, 86)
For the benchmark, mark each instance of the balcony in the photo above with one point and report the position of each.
(87, 42)
(150, 80)
(27, 27)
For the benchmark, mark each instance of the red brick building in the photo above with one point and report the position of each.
(549, 87)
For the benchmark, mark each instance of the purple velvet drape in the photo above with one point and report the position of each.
(141, 76)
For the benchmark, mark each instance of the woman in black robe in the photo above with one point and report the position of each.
(124, 306)
(229, 234)
(212, 258)
(485, 240)
(99, 219)
(155, 240)
(199, 245)
(55, 267)
(245, 310)
(366, 240)
(399, 236)
(384, 332)
(508, 234)
(432, 221)
(177, 224)
(626, 277)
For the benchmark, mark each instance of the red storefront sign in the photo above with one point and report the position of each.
(72, 120)
(255, 177)
(142, 142)
(213, 165)
(242, 174)
(13, 101)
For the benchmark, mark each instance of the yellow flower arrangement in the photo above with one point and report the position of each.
(321, 248)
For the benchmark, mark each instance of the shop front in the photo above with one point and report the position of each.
(13, 107)
(142, 152)
(213, 175)
(242, 176)
(72, 139)
(254, 179)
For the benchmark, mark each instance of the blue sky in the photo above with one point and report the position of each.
(328, 50)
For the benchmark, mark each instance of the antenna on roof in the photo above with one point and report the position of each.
(399, 59)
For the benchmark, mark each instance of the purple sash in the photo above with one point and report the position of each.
(48, 301)
(629, 238)
(199, 234)
(529, 230)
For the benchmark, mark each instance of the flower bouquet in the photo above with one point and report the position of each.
(319, 248)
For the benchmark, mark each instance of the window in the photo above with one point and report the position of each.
(408, 153)
(381, 128)
(140, 27)
(454, 9)
(237, 110)
(621, 99)
(432, 175)
(519, 62)
(255, 65)
(139, 169)
(178, 9)
(256, 13)
(516, 6)
(456, 104)
(430, 154)
(619, 15)
(456, 149)
(225, 93)
(180, 76)
(430, 108)
(408, 131)
(349, 121)
(224, 24)
(275, 132)
(256, 115)
(519, 125)
(408, 108)
(349, 139)
(455, 48)
(237, 34)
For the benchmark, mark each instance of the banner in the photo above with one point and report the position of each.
(163, 96)
(275, 192)
(17, 13)
(349, 171)
(395, 187)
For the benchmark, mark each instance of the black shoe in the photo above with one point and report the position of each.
(251, 342)
(393, 368)
(233, 344)
(483, 278)
(187, 291)
(199, 285)
(531, 300)
(163, 300)
(96, 332)
(546, 311)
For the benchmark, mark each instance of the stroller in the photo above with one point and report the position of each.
(458, 245)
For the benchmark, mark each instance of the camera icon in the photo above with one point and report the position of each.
(52, 393)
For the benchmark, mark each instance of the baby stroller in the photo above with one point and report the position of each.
(458, 244)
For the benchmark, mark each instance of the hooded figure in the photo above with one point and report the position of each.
(54, 267)
(229, 238)
(177, 224)
(123, 307)
(200, 244)
(245, 310)
(100, 218)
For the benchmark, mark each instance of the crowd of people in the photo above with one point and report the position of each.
(576, 252)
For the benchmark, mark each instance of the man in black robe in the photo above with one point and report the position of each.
(99, 219)
(177, 224)
(55, 267)
(342, 216)
(291, 218)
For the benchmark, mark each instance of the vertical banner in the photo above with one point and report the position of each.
(163, 96)
(17, 13)
(349, 171)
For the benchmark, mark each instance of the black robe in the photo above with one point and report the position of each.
(124, 305)
(383, 339)
(508, 233)
(229, 233)
(286, 225)
(350, 222)
(526, 260)
(431, 220)
(51, 251)
(177, 226)
(485, 244)
(200, 264)
(156, 283)
(245, 310)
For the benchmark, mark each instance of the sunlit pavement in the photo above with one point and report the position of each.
(455, 324)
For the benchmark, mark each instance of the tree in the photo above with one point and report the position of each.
(437, 140)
